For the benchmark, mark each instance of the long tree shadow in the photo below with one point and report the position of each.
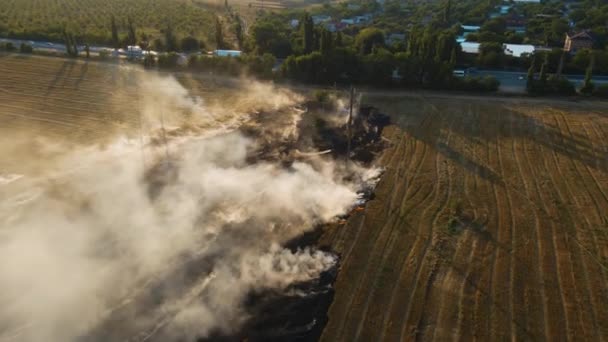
(83, 72)
(64, 70)
(485, 123)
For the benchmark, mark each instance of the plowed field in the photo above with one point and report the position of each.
(490, 224)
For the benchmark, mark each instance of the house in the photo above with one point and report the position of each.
(467, 29)
(470, 28)
(518, 50)
(470, 47)
(578, 41)
(227, 53)
(353, 7)
(335, 26)
(517, 29)
(321, 18)
(526, 1)
(362, 19)
(348, 21)
(504, 9)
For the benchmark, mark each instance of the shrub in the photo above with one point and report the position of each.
(7, 46)
(552, 86)
(190, 44)
(168, 60)
(483, 84)
(25, 48)
(588, 88)
(104, 54)
(601, 91)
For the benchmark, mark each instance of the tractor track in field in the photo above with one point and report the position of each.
(530, 265)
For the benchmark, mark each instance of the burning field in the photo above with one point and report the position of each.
(140, 206)
(136, 206)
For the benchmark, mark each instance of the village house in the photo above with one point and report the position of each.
(321, 18)
(578, 41)
(335, 26)
(518, 50)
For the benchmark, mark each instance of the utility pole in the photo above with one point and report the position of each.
(350, 122)
(162, 125)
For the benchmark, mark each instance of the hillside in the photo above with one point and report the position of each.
(90, 20)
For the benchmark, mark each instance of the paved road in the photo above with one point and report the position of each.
(513, 82)
(516, 81)
(49, 46)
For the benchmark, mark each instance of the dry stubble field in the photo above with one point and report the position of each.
(490, 224)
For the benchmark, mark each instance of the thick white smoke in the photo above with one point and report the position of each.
(102, 252)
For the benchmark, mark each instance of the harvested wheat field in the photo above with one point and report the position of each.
(490, 224)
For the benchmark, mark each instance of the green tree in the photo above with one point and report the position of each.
(326, 42)
(368, 38)
(25, 48)
(447, 11)
(339, 42)
(219, 35)
(170, 40)
(115, 42)
(269, 36)
(131, 35)
(543, 73)
(588, 85)
(491, 55)
(308, 33)
(531, 71)
(189, 44)
(238, 31)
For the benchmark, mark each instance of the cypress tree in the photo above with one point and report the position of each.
(530, 79)
(447, 11)
(238, 28)
(308, 28)
(588, 82)
(453, 57)
(543, 70)
(326, 42)
(114, 29)
(219, 35)
(132, 38)
(170, 41)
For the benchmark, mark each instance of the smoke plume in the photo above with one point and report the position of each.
(112, 246)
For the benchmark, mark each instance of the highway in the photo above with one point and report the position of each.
(510, 81)
(515, 82)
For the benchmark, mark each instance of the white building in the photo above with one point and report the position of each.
(321, 18)
(470, 47)
(227, 53)
(518, 50)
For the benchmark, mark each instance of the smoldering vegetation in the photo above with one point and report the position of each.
(180, 228)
